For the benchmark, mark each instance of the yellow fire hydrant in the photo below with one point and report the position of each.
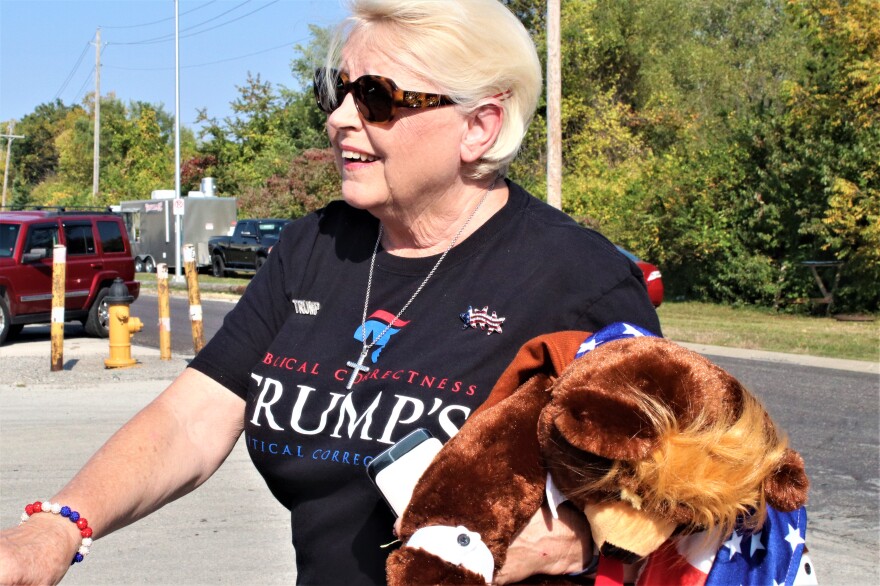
(122, 326)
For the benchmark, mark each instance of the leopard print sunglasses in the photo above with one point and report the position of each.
(376, 98)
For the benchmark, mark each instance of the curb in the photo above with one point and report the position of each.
(784, 358)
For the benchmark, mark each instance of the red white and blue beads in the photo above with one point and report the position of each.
(57, 509)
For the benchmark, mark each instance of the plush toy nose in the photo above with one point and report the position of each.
(624, 533)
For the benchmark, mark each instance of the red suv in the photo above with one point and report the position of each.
(98, 251)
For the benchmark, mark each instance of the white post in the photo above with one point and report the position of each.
(178, 278)
(97, 142)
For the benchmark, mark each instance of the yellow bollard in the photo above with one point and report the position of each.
(59, 275)
(122, 326)
(164, 311)
(195, 299)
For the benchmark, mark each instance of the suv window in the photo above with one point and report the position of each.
(42, 238)
(8, 236)
(80, 239)
(111, 237)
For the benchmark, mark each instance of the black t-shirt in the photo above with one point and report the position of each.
(284, 348)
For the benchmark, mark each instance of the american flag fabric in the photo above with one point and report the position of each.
(616, 331)
(775, 555)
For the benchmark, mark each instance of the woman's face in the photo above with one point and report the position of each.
(397, 167)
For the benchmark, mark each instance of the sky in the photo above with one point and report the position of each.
(47, 50)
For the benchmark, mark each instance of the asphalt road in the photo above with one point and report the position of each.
(146, 308)
(833, 419)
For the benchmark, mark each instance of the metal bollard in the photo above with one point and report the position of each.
(195, 300)
(164, 311)
(122, 326)
(59, 276)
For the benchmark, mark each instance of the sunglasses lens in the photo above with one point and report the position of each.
(325, 91)
(375, 96)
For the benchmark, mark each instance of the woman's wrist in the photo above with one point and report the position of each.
(67, 535)
(580, 555)
(548, 546)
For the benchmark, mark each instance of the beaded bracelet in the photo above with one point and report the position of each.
(81, 523)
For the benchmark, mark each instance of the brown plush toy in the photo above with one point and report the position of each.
(649, 439)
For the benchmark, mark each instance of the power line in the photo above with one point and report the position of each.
(168, 37)
(222, 24)
(162, 19)
(193, 66)
(100, 51)
(83, 86)
(72, 71)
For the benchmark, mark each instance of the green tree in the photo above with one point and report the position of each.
(35, 157)
(259, 151)
(311, 182)
(136, 153)
(825, 147)
(251, 145)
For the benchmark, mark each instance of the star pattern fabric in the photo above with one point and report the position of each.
(770, 556)
(733, 544)
(609, 333)
(774, 555)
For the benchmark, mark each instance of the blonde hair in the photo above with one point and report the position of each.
(470, 49)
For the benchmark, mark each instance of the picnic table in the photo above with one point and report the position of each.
(827, 295)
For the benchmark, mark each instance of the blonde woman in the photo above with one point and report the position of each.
(395, 308)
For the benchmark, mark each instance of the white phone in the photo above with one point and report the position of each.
(396, 471)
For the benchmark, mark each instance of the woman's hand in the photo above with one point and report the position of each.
(549, 546)
(37, 552)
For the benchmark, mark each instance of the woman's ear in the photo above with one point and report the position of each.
(482, 127)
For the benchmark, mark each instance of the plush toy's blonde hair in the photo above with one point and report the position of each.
(710, 470)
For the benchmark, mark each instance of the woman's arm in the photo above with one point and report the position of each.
(169, 448)
(549, 546)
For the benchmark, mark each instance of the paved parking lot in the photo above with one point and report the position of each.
(229, 531)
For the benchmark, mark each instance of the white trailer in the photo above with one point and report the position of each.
(151, 225)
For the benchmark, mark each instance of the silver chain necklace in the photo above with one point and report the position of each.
(358, 367)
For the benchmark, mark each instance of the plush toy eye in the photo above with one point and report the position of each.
(464, 540)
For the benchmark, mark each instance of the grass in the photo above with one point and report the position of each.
(765, 329)
(706, 323)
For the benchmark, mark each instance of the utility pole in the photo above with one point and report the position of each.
(9, 138)
(554, 106)
(178, 278)
(97, 141)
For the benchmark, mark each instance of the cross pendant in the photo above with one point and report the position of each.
(357, 367)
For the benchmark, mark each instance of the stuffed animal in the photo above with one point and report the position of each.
(652, 441)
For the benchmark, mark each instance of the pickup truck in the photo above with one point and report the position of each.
(248, 246)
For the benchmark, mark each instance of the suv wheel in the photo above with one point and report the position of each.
(261, 260)
(98, 322)
(218, 267)
(5, 319)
